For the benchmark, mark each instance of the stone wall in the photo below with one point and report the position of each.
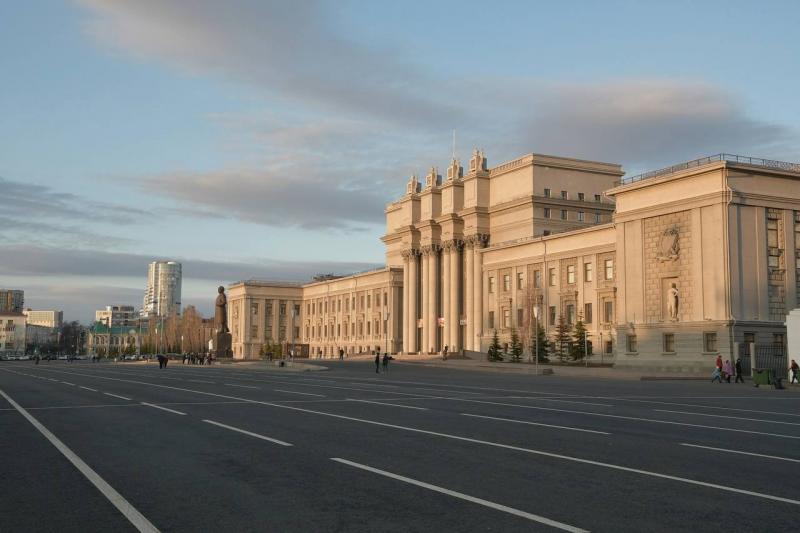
(661, 266)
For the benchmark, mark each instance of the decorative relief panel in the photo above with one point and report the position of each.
(668, 259)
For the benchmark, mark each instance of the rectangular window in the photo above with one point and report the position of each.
(297, 310)
(597, 218)
(581, 216)
(254, 309)
(772, 233)
(633, 347)
(546, 212)
(385, 299)
(253, 332)
(564, 195)
(609, 347)
(308, 309)
(609, 268)
(710, 342)
(506, 282)
(581, 196)
(268, 308)
(570, 314)
(296, 332)
(369, 301)
(283, 307)
(520, 281)
(339, 305)
(506, 318)
(669, 342)
(563, 214)
(597, 198)
(552, 315)
(608, 311)
(587, 272)
(547, 193)
(520, 318)
(570, 274)
(491, 319)
(491, 284)
(537, 279)
(368, 327)
(587, 313)
(551, 277)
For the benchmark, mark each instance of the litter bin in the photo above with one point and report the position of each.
(763, 376)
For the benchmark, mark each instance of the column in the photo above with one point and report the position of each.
(411, 314)
(453, 318)
(477, 279)
(406, 302)
(469, 288)
(446, 283)
(432, 323)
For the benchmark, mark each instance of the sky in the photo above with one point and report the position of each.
(262, 139)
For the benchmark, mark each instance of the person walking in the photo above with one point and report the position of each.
(794, 367)
(716, 375)
(377, 363)
(739, 376)
(728, 371)
(444, 353)
(386, 362)
(341, 354)
(719, 363)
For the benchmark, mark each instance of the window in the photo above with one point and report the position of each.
(551, 275)
(385, 299)
(669, 342)
(581, 196)
(362, 301)
(368, 327)
(552, 315)
(491, 284)
(520, 318)
(282, 333)
(570, 314)
(609, 268)
(564, 195)
(537, 279)
(778, 340)
(296, 332)
(283, 307)
(587, 313)
(254, 309)
(297, 310)
(608, 311)
(587, 272)
(581, 216)
(547, 193)
(506, 282)
(772, 233)
(546, 212)
(339, 305)
(563, 214)
(369, 301)
(570, 274)
(506, 318)
(268, 308)
(633, 346)
(520, 281)
(609, 348)
(710, 342)
(491, 319)
(308, 309)
(338, 330)
(597, 198)
(597, 218)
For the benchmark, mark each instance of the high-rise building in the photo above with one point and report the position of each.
(162, 297)
(47, 319)
(11, 300)
(117, 316)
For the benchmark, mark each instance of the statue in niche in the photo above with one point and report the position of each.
(673, 299)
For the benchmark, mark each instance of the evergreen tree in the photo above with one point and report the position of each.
(542, 344)
(579, 347)
(563, 338)
(516, 347)
(495, 350)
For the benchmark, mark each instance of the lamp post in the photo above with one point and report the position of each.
(386, 328)
(536, 338)
(602, 348)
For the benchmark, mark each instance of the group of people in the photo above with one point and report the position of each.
(196, 359)
(379, 362)
(724, 372)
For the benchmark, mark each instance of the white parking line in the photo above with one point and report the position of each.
(116, 396)
(199, 381)
(68, 383)
(741, 452)
(389, 404)
(460, 495)
(303, 393)
(713, 415)
(136, 518)
(256, 435)
(240, 386)
(87, 388)
(163, 408)
(559, 400)
(537, 424)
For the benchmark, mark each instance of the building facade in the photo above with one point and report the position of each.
(162, 296)
(12, 333)
(666, 270)
(117, 316)
(47, 319)
(12, 300)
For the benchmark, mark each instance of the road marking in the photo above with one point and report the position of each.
(199, 381)
(136, 518)
(475, 441)
(726, 416)
(537, 424)
(116, 396)
(295, 392)
(163, 408)
(87, 388)
(361, 385)
(560, 401)
(256, 435)
(68, 383)
(240, 386)
(466, 497)
(389, 404)
(741, 452)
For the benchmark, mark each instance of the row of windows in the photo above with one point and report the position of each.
(564, 215)
(565, 196)
(268, 308)
(552, 278)
(321, 307)
(570, 316)
(709, 342)
(324, 332)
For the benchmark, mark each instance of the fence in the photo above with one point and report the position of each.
(767, 356)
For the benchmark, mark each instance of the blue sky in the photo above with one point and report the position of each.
(262, 139)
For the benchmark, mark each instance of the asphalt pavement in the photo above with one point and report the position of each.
(101, 446)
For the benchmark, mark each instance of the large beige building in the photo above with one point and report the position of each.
(666, 269)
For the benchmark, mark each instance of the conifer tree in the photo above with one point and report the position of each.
(516, 347)
(579, 336)
(563, 338)
(495, 350)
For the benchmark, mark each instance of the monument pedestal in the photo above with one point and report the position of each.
(222, 345)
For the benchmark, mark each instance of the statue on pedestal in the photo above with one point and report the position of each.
(672, 301)
(221, 333)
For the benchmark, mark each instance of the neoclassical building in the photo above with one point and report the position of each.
(666, 269)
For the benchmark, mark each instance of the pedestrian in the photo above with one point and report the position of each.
(728, 371)
(386, 361)
(444, 353)
(719, 363)
(341, 354)
(794, 367)
(739, 376)
(716, 375)
(377, 363)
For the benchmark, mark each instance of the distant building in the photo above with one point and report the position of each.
(162, 297)
(116, 340)
(48, 319)
(12, 333)
(117, 316)
(11, 300)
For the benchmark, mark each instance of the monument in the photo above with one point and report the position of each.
(222, 336)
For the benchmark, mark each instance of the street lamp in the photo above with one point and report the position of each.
(536, 338)
(386, 328)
